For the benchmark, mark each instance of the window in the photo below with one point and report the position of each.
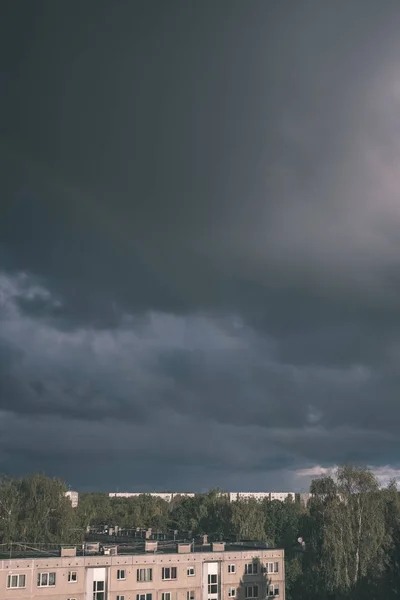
(16, 581)
(213, 584)
(191, 572)
(143, 596)
(119, 597)
(190, 595)
(251, 568)
(121, 574)
(272, 567)
(232, 592)
(168, 573)
(144, 575)
(231, 568)
(46, 579)
(98, 590)
(252, 591)
(273, 590)
(166, 596)
(72, 576)
(71, 598)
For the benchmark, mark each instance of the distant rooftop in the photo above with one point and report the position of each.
(17, 550)
(169, 496)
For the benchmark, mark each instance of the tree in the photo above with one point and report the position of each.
(10, 507)
(35, 510)
(248, 519)
(182, 514)
(46, 514)
(388, 585)
(346, 532)
(93, 509)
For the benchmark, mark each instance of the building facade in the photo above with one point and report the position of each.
(233, 496)
(215, 572)
(74, 497)
(167, 496)
(260, 496)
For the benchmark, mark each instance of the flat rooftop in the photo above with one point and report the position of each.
(21, 550)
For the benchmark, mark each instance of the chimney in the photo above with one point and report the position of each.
(148, 534)
(150, 546)
(184, 548)
(218, 546)
(70, 551)
(204, 539)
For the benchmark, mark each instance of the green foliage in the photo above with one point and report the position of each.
(293, 576)
(93, 509)
(281, 523)
(35, 510)
(204, 514)
(349, 529)
(248, 520)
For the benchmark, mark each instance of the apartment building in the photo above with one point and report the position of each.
(260, 496)
(167, 496)
(233, 496)
(183, 572)
(282, 496)
(74, 497)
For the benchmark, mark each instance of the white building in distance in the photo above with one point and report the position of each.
(167, 496)
(74, 497)
(260, 496)
(233, 496)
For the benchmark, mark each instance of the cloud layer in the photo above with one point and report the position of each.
(199, 248)
(208, 396)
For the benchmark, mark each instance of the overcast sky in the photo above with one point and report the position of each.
(199, 241)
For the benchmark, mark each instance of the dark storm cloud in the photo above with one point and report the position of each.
(187, 157)
(200, 394)
(199, 248)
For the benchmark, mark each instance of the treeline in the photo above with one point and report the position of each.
(212, 514)
(350, 528)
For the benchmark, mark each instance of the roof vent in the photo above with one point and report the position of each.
(150, 546)
(218, 546)
(68, 551)
(184, 548)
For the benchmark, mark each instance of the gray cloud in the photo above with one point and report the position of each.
(199, 247)
(205, 395)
